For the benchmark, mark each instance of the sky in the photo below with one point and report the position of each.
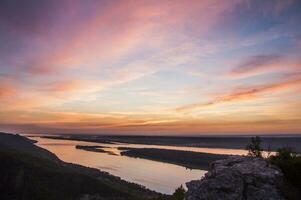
(150, 67)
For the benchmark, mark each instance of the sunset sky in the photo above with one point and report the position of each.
(150, 66)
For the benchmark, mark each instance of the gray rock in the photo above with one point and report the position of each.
(238, 178)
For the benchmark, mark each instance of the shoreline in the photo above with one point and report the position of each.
(227, 143)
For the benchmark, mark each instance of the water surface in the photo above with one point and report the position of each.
(158, 176)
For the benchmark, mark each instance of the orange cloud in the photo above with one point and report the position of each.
(7, 90)
(245, 94)
(63, 86)
(191, 127)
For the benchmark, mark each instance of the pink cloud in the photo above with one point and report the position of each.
(123, 28)
(262, 64)
(243, 94)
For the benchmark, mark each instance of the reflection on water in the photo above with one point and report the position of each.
(158, 176)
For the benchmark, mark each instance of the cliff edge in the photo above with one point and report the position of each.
(238, 178)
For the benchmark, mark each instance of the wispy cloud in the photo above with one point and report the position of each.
(131, 62)
(261, 64)
(257, 64)
(243, 94)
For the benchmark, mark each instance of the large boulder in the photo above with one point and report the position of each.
(238, 178)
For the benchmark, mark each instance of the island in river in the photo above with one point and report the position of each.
(95, 148)
(188, 159)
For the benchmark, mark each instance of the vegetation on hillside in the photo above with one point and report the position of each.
(179, 193)
(254, 147)
(290, 164)
(285, 159)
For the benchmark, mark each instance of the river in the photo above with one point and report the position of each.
(159, 176)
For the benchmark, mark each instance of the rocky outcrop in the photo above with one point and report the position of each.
(238, 178)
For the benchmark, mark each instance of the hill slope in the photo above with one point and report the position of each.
(30, 172)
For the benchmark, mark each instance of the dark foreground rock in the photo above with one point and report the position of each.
(238, 178)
